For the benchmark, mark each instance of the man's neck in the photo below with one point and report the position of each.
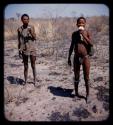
(25, 26)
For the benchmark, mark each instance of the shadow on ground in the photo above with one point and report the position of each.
(58, 91)
(14, 80)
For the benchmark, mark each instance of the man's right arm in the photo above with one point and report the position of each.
(18, 33)
(71, 50)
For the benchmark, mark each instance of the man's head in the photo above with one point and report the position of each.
(25, 19)
(81, 22)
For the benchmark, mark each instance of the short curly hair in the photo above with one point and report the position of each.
(81, 18)
(24, 15)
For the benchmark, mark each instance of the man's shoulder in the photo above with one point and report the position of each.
(75, 32)
(19, 28)
(88, 32)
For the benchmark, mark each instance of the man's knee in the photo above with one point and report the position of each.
(86, 75)
(33, 65)
(77, 78)
(86, 79)
(77, 75)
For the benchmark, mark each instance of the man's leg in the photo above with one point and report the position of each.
(33, 59)
(86, 70)
(25, 60)
(76, 74)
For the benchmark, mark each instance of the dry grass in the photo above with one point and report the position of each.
(58, 28)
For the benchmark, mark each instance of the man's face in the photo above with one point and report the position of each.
(25, 20)
(81, 22)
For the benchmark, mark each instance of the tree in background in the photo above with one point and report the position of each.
(18, 15)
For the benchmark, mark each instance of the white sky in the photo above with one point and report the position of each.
(42, 10)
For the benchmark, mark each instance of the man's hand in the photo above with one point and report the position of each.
(83, 33)
(32, 33)
(69, 62)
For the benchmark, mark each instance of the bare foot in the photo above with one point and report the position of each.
(76, 97)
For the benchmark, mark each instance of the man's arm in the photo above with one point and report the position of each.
(19, 43)
(87, 37)
(90, 40)
(18, 33)
(32, 32)
(71, 50)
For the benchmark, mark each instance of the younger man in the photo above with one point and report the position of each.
(81, 43)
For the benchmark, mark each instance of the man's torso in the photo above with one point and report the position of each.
(27, 44)
(80, 47)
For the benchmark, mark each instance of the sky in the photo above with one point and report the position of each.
(53, 10)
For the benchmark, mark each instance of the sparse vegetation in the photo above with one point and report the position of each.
(56, 32)
(52, 98)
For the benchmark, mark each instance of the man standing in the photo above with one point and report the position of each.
(81, 43)
(26, 45)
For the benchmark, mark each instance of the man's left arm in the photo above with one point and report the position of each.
(32, 32)
(87, 37)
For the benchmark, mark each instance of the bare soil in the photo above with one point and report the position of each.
(51, 99)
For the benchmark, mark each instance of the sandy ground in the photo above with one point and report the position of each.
(52, 97)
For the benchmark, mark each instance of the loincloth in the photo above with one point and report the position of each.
(79, 59)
